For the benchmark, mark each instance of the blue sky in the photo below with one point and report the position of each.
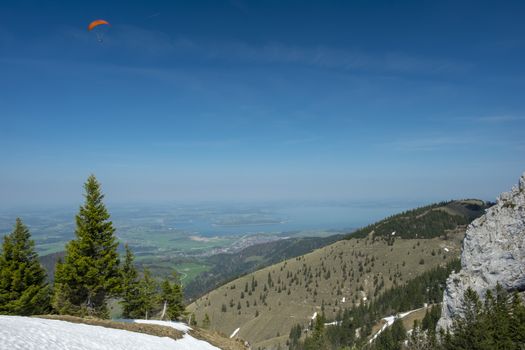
(239, 100)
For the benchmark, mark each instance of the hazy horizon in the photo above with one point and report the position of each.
(71, 206)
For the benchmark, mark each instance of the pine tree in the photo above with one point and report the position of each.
(431, 318)
(172, 300)
(467, 330)
(517, 320)
(495, 324)
(90, 272)
(148, 295)
(398, 333)
(499, 321)
(206, 321)
(295, 335)
(318, 340)
(23, 287)
(130, 288)
(419, 339)
(385, 341)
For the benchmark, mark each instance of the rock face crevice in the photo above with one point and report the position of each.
(493, 252)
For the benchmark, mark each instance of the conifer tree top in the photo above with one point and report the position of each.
(93, 216)
(18, 245)
(90, 273)
(23, 287)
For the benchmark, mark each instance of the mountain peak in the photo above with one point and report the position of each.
(493, 252)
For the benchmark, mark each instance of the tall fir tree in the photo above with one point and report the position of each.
(148, 296)
(23, 287)
(90, 272)
(318, 339)
(130, 302)
(468, 332)
(517, 320)
(172, 299)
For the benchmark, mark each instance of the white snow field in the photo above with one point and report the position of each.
(17, 333)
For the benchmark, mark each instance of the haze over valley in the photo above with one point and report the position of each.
(184, 233)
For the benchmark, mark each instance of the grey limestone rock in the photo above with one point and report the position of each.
(493, 252)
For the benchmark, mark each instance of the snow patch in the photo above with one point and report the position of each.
(35, 333)
(177, 325)
(235, 332)
(389, 320)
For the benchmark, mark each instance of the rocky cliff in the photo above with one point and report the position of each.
(493, 252)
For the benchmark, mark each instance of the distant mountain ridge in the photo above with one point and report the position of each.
(426, 222)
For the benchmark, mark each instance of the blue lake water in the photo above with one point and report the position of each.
(288, 218)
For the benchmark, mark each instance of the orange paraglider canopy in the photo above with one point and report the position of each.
(96, 23)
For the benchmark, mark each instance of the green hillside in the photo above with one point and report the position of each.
(266, 304)
(225, 267)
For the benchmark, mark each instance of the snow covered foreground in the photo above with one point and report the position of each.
(35, 333)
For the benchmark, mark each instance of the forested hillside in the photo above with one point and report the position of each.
(226, 267)
(354, 326)
(426, 222)
(266, 304)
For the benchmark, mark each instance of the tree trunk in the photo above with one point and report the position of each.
(164, 310)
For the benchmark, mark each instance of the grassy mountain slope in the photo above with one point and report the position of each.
(225, 267)
(267, 303)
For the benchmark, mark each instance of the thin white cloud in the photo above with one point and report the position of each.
(500, 119)
(300, 141)
(486, 119)
(198, 143)
(431, 143)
